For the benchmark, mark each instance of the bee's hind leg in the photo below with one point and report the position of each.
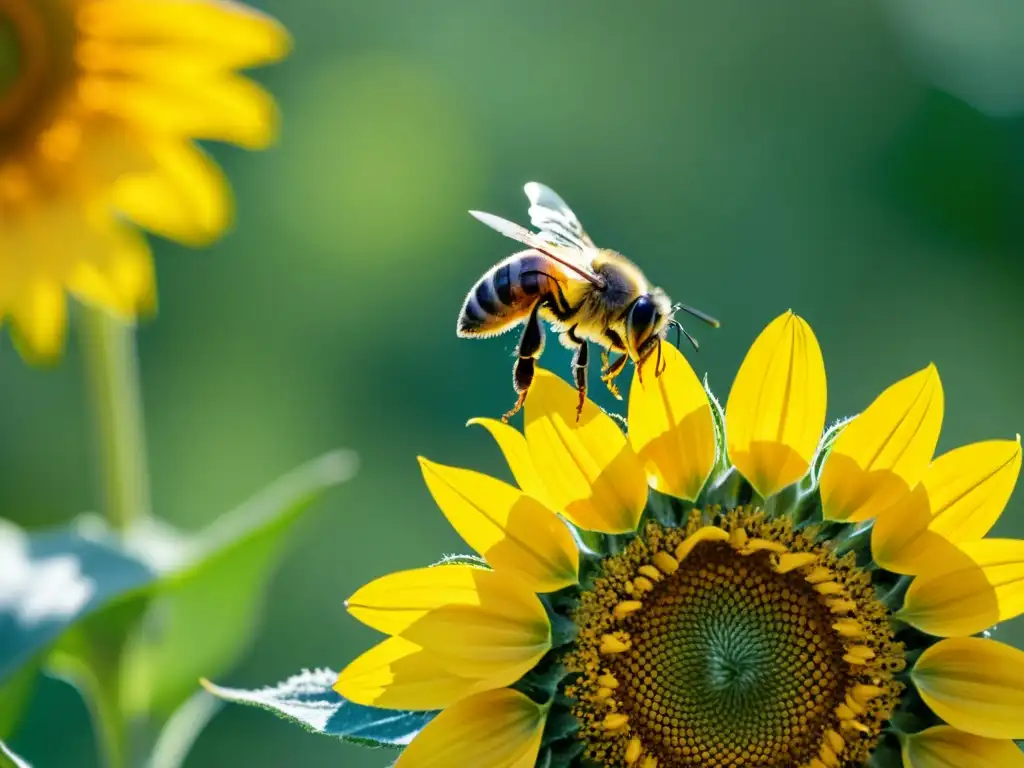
(531, 344)
(579, 367)
(611, 370)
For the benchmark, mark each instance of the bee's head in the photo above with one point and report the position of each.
(646, 322)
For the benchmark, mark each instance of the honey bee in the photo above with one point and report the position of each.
(586, 293)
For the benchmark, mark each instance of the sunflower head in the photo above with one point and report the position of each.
(100, 101)
(715, 588)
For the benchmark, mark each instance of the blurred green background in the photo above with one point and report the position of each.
(860, 162)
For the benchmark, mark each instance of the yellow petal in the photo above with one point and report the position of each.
(882, 453)
(671, 427)
(517, 456)
(776, 408)
(589, 469)
(515, 533)
(958, 500)
(946, 747)
(239, 35)
(982, 585)
(495, 729)
(398, 674)
(40, 320)
(224, 107)
(186, 198)
(975, 685)
(478, 622)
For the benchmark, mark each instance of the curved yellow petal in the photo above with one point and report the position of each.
(494, 729)
(946, 747)
(398, 674)
(240, 36)
(776, 408)
(185, 198)
(982, 585)
(40, 318)
(882, 453)
(223, 107)
(974, 684)
(959, 499)
(589, 469)
(671, 427)
(480, 623)
(516, 534)
(517, 455)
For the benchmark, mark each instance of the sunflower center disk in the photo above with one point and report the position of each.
(732, 642)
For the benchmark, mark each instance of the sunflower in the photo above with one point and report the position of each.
(99, 103)
(716, 588)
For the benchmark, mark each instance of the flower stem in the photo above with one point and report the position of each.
(116, 398)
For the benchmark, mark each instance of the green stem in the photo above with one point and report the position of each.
(113, 371)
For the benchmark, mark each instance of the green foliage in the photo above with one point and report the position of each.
(204, 612)
(308, 699)
(134, 626)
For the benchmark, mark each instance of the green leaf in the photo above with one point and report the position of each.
(309, 700)
(51, 580)
(204, 613)
(10, 760)
(14, 694)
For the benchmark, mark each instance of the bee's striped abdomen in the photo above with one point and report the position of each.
(505, 294)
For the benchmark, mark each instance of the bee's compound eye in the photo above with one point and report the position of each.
(641, 316)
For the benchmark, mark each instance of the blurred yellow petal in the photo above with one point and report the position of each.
(241, 36)
(516, 534)
(974, 684)
(495, 729)
(671, 427)
(224, 107)
(946, 747)
(480, 623)
(776, 409)
(517, 456)
(398, 674)
(959, 499)
(186, 198)
(40, 320)
(589, 469)
(881, 454)
(982, 585)
(118, 276)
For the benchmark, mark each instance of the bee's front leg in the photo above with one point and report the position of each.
(579, 367)
(611, 370)
(531, 344)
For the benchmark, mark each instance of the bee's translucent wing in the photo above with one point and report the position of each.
(555, 220)
(568, 256)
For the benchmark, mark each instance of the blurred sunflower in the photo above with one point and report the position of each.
(779, 600)
(99, 103)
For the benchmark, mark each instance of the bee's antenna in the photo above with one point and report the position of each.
(696, 313)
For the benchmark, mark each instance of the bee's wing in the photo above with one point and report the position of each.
(570, 257)
(555, 220)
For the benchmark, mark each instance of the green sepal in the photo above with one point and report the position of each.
(8, 759)
(308, 700)
(821, 454)
(473, 560)
(718, 417)
(886, 754)
(727, 490)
